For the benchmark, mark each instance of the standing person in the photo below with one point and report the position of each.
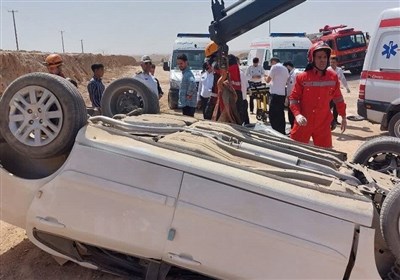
(145, 75)
(54, 63)
(254, 73)
(187, 91)
(278, 76)
(212, 101)
(159, 89)
(289, 86)
(310, 98)
(234, 77)
(205, 88)
(96, 87)
(244, 114)
(339, 72)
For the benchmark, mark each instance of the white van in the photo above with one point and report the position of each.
(379, 92)
(286, 46)
(193, 45)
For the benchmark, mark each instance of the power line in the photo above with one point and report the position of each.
(62, 40)
(15, 27)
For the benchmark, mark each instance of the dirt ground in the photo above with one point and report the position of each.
(20, 259)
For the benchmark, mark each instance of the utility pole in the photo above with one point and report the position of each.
(82, 45)
(15, 27)
(62, 40)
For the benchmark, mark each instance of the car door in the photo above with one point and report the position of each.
(108, 199)
(227, 232)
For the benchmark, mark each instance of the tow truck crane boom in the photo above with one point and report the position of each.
(243, 16)
(228, 24)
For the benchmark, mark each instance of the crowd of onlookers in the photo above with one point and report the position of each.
(311, 95)
(222, 93)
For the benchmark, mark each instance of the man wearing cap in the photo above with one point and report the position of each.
(145, 75)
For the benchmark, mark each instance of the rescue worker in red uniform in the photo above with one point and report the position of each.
(310, 98)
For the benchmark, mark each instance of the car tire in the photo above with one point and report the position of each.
(127, 94)
(390, 221)
(172, 104)
(394, 125)
(380, 154)
(47, 126)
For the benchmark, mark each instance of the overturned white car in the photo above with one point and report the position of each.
(159, 196)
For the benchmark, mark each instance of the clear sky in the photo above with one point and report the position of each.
(138, 27)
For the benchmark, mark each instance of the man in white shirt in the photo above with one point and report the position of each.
(255, 74)
(145, 75)
(278, 76)
(205, 87)
(289, 86)
(339, 72)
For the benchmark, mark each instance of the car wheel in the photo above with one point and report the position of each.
(394, 125)
(172, 104)
(390, 221)
(127, 94)
(42, 113)
(381, 154)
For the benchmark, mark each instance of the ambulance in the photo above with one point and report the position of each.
(286, 46)
(379, 90)
(193, 45)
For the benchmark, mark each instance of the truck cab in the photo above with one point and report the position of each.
(193, 46)
(349, 46)
(379, 92)
(286, 46)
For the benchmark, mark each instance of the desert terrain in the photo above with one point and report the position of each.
(20, 259)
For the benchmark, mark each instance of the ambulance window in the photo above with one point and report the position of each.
(385, 60)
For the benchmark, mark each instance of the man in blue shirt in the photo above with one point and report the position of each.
(96, 86)
(187, 91)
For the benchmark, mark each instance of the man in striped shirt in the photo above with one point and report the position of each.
(96, 86)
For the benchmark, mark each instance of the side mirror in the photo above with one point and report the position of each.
(166, 66)
(266, 65)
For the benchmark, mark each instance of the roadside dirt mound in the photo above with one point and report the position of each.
(76, 66)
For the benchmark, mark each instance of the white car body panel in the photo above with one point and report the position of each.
(118, 193)
(291, 236)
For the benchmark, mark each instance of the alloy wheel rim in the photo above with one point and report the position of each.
(35, 117)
